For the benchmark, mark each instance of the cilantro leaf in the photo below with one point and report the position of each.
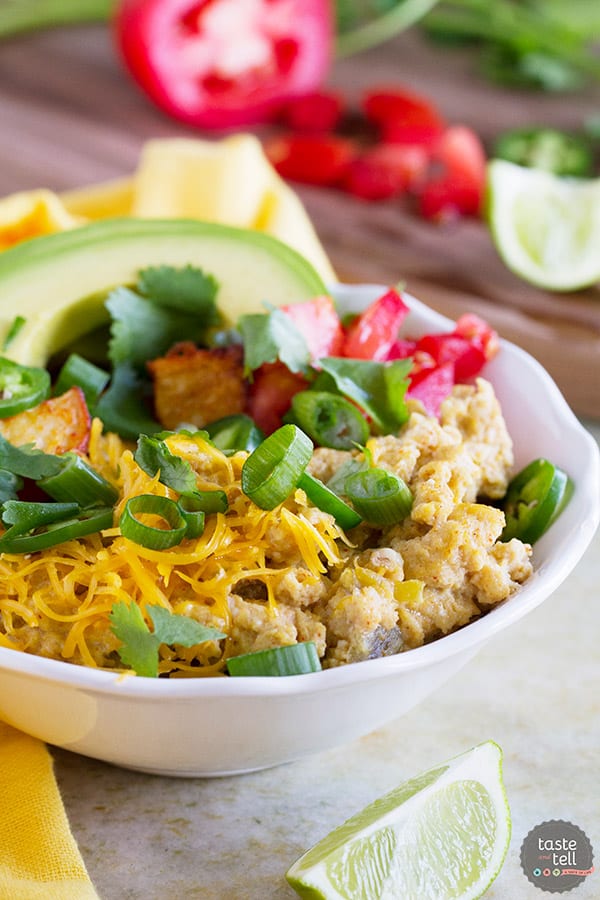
(153, 455)
(186, 289)
(171, 628)
(378, 388)
(122, 407)
(139, 648)
(27, 461)
(10, 485)
(270, 336)
(141, 330)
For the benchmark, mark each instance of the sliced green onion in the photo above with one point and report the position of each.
(21, 387)
(147, 535)
(89, 521)
(78, 372)
(78, 481)
(379, 496)
(273, 470)
(25, 515)
(319, 494)
(295, 659)
(329, 419)
(237, 432)
(191, 510)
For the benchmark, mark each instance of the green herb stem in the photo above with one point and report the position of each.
(18, 16)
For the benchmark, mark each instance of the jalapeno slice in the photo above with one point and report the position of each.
(21, 387)
(534, 499)
(546, 148)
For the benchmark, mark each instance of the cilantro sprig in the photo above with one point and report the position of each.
(165, 305)
(140, 646)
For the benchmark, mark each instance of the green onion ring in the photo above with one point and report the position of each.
(273, 470)
(379, 496)
(147, 535)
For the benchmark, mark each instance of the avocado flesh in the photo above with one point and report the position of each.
(59, 283)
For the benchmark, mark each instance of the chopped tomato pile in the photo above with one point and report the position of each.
(406, 149)
(440, 360)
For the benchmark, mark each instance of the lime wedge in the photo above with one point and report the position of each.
(545, 228)
(444, 833)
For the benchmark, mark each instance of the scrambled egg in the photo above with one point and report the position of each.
(399, 588)
(268, 578)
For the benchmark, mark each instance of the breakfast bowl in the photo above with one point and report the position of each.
(222, 726)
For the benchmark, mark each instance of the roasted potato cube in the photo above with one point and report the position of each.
(55, 426)
(197, 386)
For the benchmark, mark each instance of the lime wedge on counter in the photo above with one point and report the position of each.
(444, 834)
(545, 228)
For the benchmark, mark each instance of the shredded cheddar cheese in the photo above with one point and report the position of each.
(56, 602)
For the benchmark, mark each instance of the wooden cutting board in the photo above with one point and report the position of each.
(69, 116)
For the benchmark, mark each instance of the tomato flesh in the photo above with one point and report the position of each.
(319, 323)
(373, 334)
(224, 63)
(311, 158)
(270, 394)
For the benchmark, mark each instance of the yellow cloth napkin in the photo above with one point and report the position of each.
(39, 859)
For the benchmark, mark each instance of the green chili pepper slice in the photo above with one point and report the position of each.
(21, 387)
(548, 149)
(329, 419)
(535, 497)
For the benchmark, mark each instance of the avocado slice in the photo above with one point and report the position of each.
(58, 283)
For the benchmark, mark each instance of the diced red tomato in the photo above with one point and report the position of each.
(320, 325)
(403, 117)
(460, 188)
(385, 171)
(401, 349)
(372, 334)
(270, 394)
(468, 358)
(225, 63)
(311, 158)
(317, 112)
(431, 386)
(477, 330)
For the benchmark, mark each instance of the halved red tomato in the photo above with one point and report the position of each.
(224, 63)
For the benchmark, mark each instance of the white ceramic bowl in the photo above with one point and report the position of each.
(224, 726)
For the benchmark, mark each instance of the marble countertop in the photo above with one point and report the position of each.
(533, 689)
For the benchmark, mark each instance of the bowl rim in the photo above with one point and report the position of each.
(122, 683)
